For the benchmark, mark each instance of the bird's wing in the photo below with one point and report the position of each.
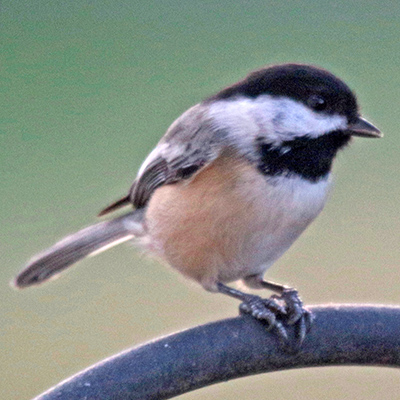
(191, 143)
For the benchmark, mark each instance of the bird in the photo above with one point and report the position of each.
(231, 185)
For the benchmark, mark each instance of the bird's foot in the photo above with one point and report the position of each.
(269, 310)
(278, 311)
(296, 314)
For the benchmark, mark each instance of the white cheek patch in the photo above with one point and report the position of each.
(293, 119)
(243, 119)
(277, 119)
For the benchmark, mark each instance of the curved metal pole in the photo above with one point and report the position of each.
(236, 347)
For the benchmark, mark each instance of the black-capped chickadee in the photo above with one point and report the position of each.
(231, 185)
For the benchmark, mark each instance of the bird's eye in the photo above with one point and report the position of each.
(317, 103)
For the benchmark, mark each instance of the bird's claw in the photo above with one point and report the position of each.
(297, 314)
(279, 310)
(269, 310)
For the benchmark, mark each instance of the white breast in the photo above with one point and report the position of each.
(286, 206)
(230, 221)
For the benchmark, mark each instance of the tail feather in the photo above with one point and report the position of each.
(88, 241)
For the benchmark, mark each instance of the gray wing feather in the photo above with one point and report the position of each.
(155, 175)
(191, 143)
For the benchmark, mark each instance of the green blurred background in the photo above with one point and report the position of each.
(88, 88)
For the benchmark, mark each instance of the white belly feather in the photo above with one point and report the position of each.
(230, 221)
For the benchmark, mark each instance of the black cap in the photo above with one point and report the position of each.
(313, 86)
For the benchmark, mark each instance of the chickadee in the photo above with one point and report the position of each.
(231, 185)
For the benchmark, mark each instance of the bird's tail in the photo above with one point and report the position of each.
(88, 241)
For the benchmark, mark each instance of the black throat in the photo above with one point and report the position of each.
(310, 158)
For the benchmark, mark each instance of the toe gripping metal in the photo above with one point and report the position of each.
(276, 311)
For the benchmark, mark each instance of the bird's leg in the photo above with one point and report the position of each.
(262, 309)
(296, 313)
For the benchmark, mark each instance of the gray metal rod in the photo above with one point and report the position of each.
(237, 347)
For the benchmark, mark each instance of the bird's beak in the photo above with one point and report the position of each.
(363, 128)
